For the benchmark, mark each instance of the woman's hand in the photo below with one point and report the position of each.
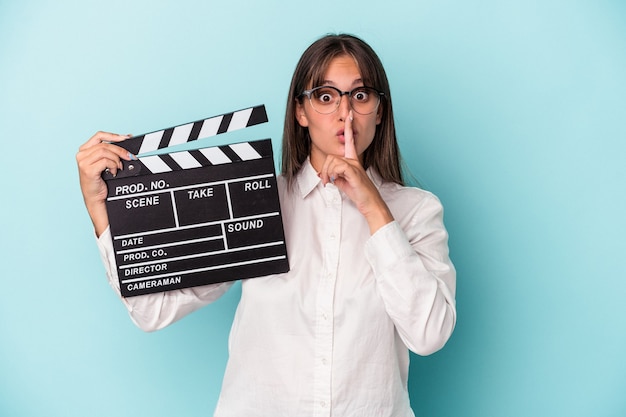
(93, 157)
(348, 175)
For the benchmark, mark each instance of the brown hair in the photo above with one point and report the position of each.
(383, 154)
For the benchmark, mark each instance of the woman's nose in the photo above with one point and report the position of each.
(344, 106)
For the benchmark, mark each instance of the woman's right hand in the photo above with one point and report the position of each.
(93, 157)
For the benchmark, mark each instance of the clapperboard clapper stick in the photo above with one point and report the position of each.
(196, 217)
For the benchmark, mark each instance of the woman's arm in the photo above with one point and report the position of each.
(416, 278)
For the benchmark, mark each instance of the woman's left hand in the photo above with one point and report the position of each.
(348, 175)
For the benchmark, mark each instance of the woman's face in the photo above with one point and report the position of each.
(327, 130)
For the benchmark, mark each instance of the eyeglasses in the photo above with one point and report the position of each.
(326, 99)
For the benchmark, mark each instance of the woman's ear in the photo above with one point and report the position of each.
(379, 114)
(301, 114)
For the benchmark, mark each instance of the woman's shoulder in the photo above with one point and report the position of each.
(409, 195)
(392, 191)
(412, 206)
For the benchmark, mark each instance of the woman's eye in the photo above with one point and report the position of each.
(360, 96)
(325, 96)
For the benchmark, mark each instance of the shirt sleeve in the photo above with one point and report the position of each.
(416, 278)
(154, 311)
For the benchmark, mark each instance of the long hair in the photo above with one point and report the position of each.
(383, 154)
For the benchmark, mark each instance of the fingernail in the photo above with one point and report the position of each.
(332, 179)
(350, 116)
(132, 157)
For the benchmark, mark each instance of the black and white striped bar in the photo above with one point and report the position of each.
(212, 126)
(156, 164)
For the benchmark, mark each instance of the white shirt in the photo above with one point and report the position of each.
(329, 337)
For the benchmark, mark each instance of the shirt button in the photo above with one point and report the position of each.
(324, 361)
(323, 403)
(332, 237)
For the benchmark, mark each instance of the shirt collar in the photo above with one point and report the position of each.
(308, 179)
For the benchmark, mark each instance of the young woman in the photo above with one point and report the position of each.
(370, 276)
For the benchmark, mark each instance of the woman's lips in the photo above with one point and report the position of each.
(342, 137)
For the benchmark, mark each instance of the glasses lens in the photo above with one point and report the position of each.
(325, 99)
(364, 100)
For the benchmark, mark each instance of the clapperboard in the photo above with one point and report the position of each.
(196, 217)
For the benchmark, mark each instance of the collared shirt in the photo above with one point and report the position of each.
(331, 336)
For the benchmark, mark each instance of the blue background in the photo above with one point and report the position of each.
(512, 112)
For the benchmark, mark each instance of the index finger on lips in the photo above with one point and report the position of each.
(349, 147)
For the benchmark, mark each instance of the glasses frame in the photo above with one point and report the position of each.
(308, 94)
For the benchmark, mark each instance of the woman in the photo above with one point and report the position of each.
(370, 274)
